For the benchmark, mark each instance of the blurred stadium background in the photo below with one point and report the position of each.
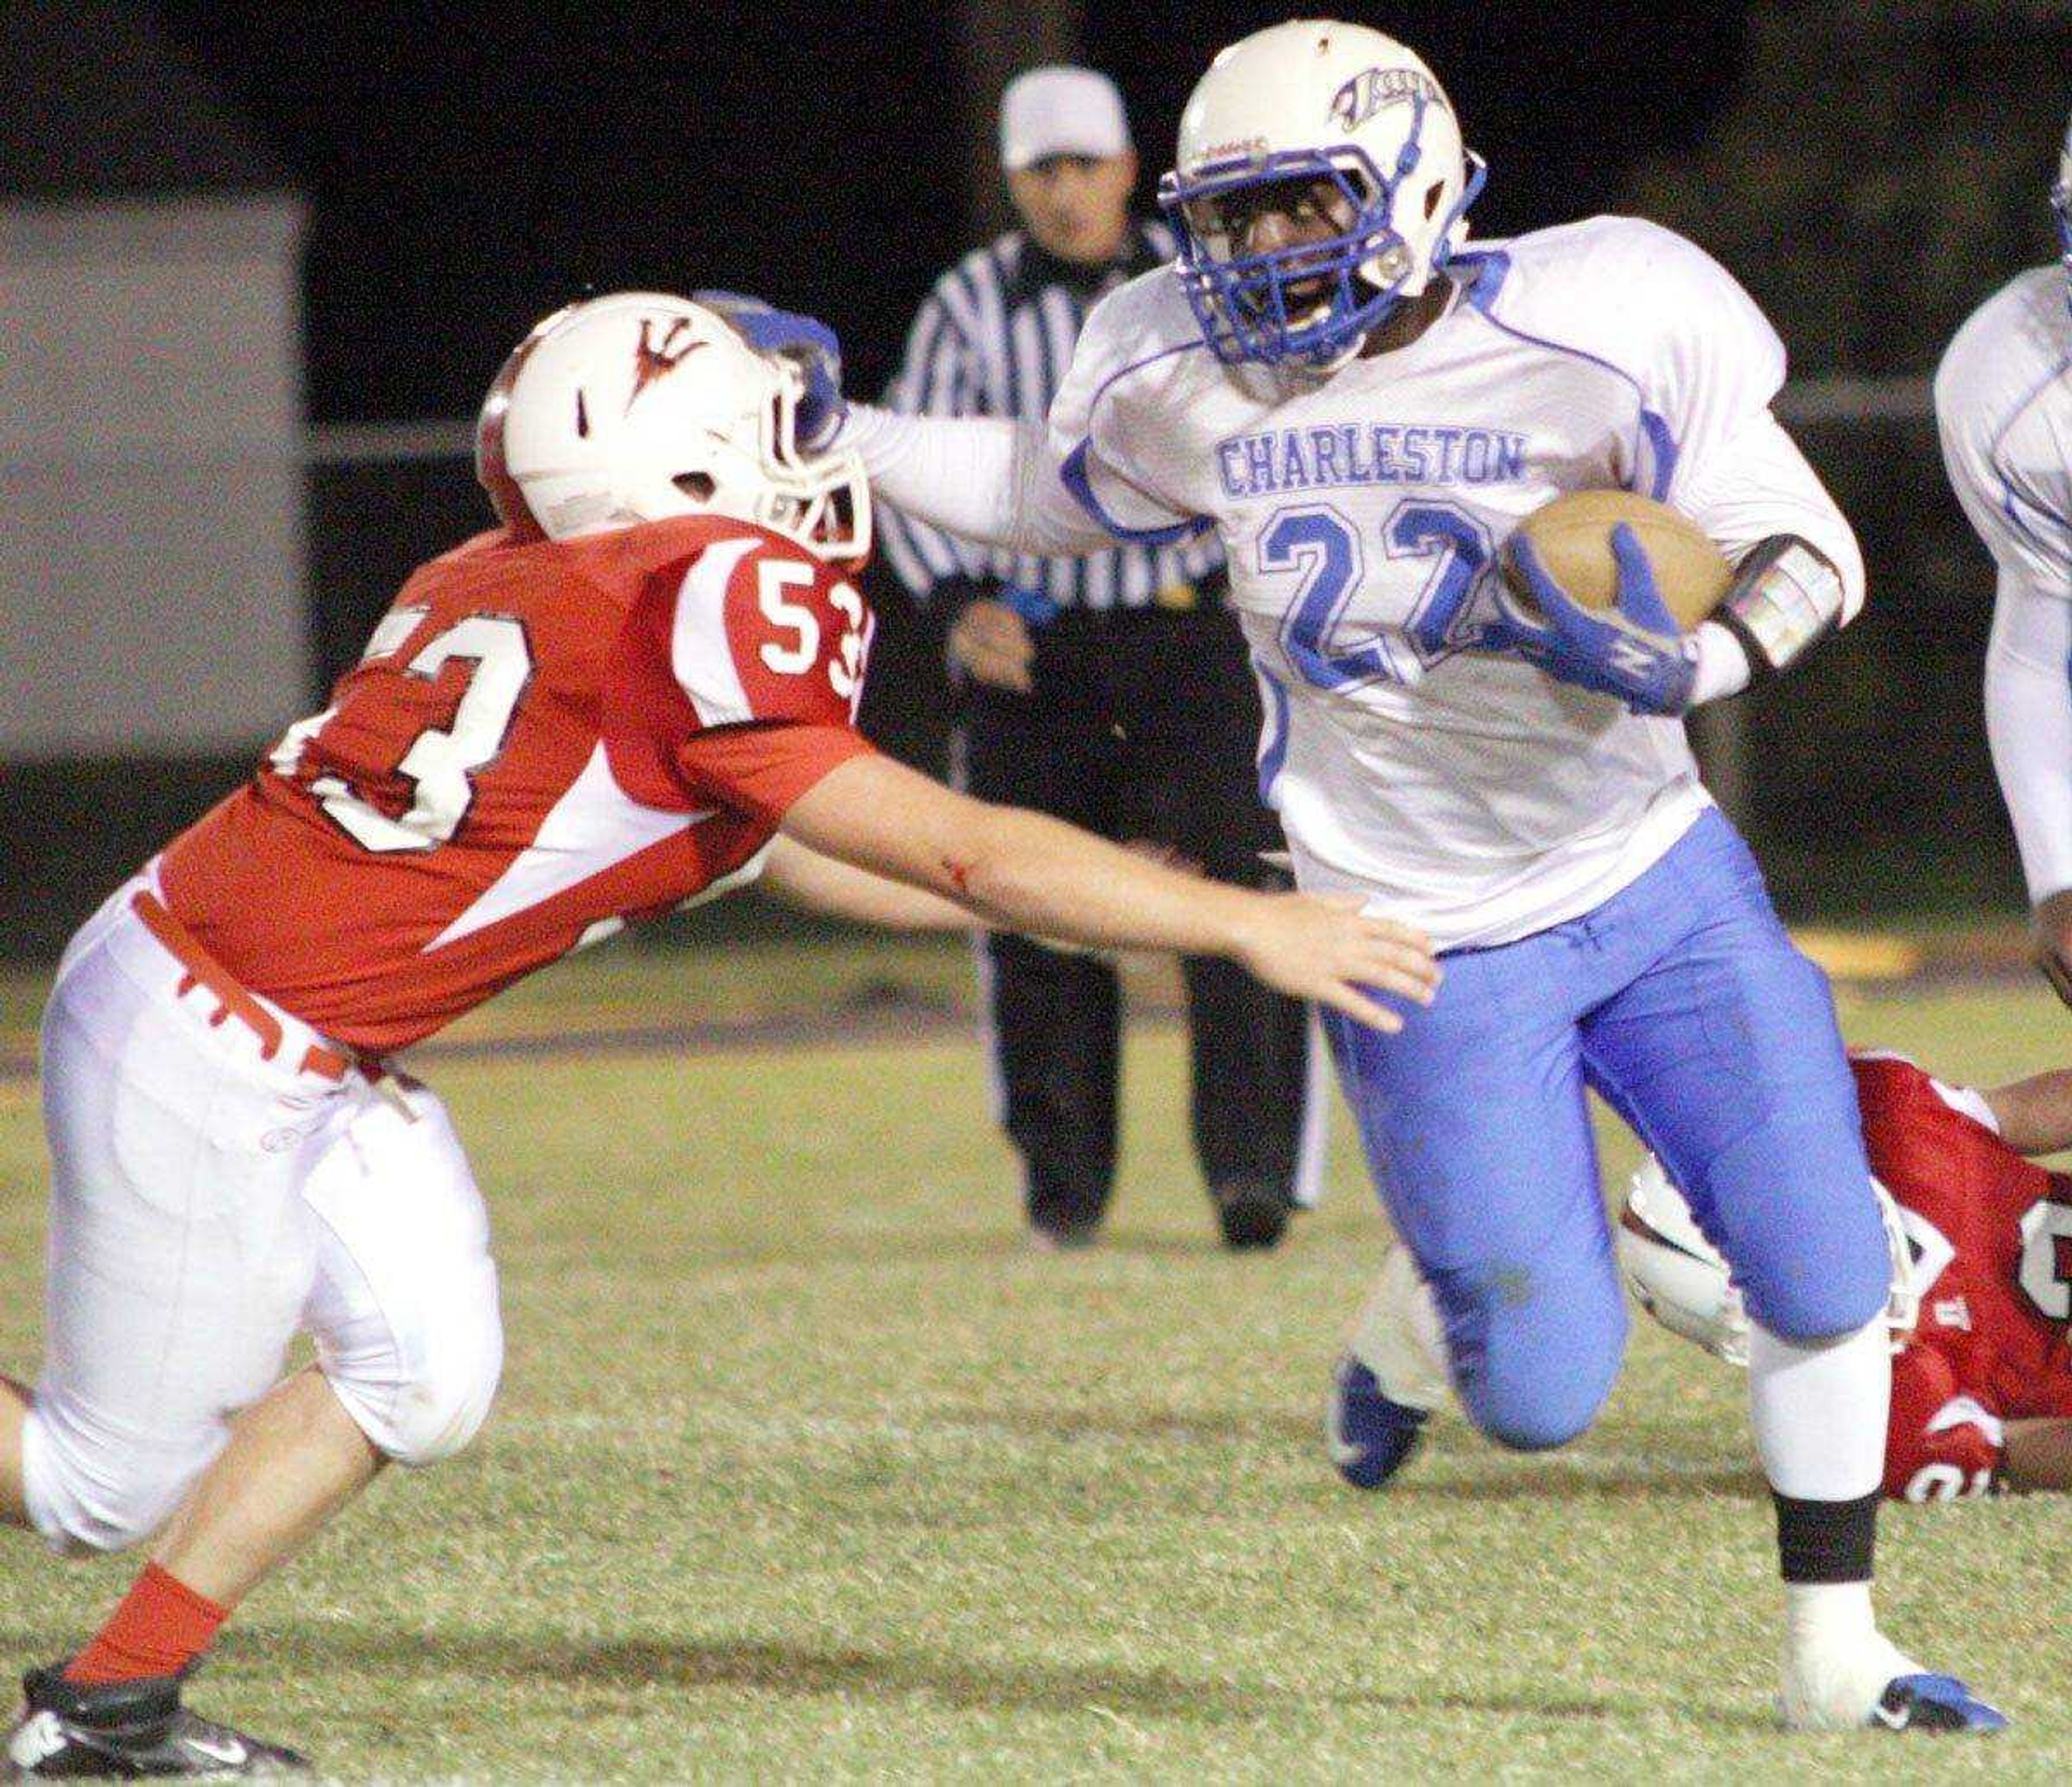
(259, 263)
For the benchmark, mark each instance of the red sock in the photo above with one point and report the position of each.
(161, 1627)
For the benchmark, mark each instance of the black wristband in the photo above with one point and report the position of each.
(1761, 669)
(1786, 597)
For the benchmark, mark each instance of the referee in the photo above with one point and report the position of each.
(1113, 691)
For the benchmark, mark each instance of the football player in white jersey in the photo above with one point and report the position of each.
(2004, 407)
(1364, 411)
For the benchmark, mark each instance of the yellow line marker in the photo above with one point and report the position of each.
(1862, 956)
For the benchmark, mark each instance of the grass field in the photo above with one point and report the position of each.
(803, 1471)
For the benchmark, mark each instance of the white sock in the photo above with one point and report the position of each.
(1399, 1338)
(1819, 1614)
(1819, 1409)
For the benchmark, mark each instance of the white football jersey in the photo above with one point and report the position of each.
(2003, 406)
(1364, 512)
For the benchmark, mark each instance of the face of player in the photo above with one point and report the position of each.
(1076, 207)
(1278, 215)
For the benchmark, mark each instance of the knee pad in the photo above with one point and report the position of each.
(1539, 1415)
(1806, 1308)
(423, 1409)
(1808, 1247)
(405, 1311)
(1532, 1374)
(87, 1493)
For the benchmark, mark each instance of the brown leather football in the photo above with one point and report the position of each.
(1572, 536)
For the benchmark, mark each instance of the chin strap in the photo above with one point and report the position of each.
(1784, 600)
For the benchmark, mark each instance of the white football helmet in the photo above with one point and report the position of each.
(1678, 1278)
(639, 407)
(1316, 99)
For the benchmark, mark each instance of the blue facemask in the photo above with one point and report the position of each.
(1243, 304)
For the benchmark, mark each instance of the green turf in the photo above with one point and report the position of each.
(802, 1472)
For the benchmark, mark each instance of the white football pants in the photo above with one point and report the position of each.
(206, 1204)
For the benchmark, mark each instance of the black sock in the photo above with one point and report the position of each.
(1826, 1541)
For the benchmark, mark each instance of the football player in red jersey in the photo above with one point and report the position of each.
(637, 692)
(1982, 1286)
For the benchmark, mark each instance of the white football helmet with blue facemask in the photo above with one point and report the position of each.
(1315, 100)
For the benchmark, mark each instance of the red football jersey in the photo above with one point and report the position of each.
(543, 740)
(1992, 1235)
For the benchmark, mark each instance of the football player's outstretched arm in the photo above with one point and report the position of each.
(2034, 1116)
(819, 883)
(984, 479)
(1022, 871)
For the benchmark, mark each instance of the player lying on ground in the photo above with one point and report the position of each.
(2004, 408)
(1365, 414)
(633, 694)
(1981, 1295)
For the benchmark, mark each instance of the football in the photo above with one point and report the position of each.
(1572, 536)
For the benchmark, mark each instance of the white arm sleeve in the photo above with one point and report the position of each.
(940, 375)
(981, 478)
(2028, 721)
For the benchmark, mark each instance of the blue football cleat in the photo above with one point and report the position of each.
(1935, 1704)
(1370, 1436)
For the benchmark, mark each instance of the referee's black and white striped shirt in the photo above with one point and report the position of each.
(995, 338)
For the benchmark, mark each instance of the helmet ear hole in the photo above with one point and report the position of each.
(698, 486)
(1432, 196)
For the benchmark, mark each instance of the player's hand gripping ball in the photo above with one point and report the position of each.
(1601, 587)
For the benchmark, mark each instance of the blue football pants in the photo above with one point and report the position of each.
(1683, 1004)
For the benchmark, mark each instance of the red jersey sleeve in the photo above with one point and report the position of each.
(747, 666)
(1942, 1442)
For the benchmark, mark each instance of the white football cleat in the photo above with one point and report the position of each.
(1874, 1683)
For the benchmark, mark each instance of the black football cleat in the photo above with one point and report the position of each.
(126, 1731)
(1250, 1216)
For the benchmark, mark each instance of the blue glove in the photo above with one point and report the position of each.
(1650, 669)
(1034, 607)
(803, 339)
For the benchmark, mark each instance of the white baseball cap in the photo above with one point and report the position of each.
(1060, 110)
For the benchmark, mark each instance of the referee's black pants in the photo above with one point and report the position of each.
(1143, 725)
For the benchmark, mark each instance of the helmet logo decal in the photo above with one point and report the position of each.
(657, 359)
(1371, 89)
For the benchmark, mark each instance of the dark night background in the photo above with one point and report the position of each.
(465, 177)
(1870, 172)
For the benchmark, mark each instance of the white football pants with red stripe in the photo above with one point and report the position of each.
(206, 1205)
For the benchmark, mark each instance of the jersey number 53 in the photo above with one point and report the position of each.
(439, 761)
